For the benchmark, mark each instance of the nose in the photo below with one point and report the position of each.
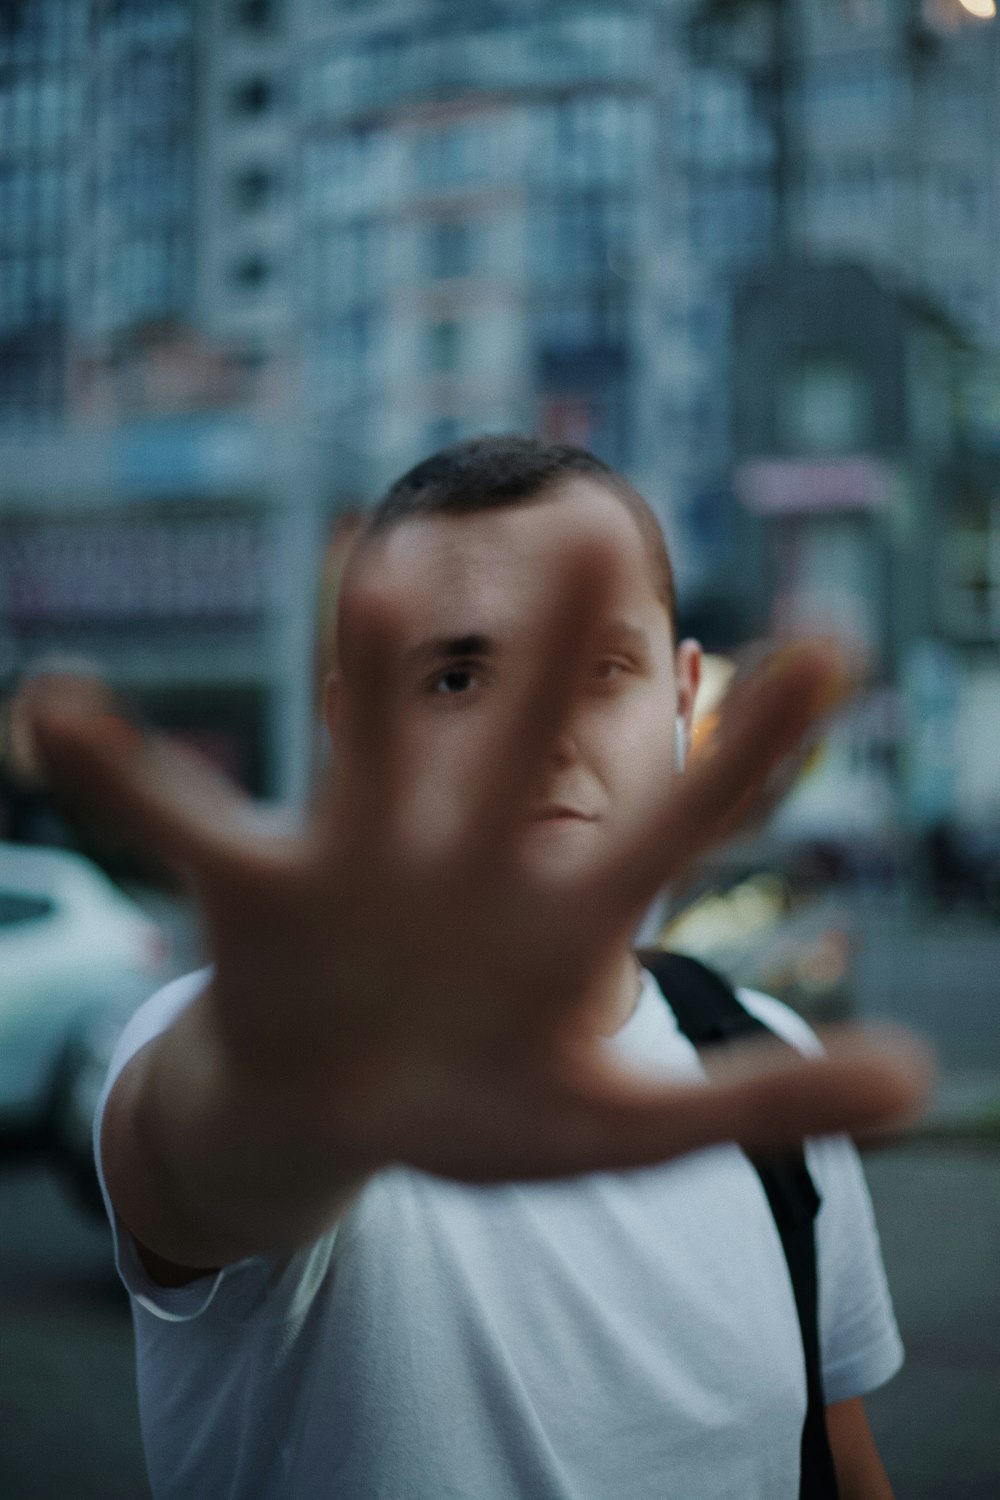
(564, 750)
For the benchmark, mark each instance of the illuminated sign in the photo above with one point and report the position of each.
(794, 486)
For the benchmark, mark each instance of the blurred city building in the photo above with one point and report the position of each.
(856, 458)
(260, 255)
(844, 182)
(155, 499)
(859, 131)
(488, 237)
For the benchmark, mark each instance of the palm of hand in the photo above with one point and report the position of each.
(424, 999)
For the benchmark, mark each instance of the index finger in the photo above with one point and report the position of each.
(766, 720)
(534, 712)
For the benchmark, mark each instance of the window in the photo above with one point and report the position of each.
(959, 200)
(341, 351)
(449, 250)
(149, 184)
(251, 273)
(970, 574)
(572, 324)
(354, 79)
(853, 193)
(720, 122)
(858, 96)
(31, 373)
(349, 174)
(255, 15)
(253, 96)
(152, 274)
(443, 340)
(732, 216)
(588, 237)
(18, 907)
(825, 407)
(594, 139)
(14, 291)
(452, 156)
(959, 103)
(345, 266)
(254, 189)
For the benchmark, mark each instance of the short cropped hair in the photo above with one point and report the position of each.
(487, 473)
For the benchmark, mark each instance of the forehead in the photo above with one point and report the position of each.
(496, 563)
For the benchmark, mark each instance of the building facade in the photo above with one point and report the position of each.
(484, 229)
(157, 517)
(258, 256)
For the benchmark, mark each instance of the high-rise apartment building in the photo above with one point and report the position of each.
(42, 51)
(134, 168)
(866, 131)
(335, 235)
(151, 520)
(898, 149)
(444, 218)
(249, 273)
(485, 234)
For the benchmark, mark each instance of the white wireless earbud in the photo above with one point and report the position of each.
(680, 742)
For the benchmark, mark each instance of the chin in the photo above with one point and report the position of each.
(560, 846)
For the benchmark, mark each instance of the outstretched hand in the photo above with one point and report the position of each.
(405, 981)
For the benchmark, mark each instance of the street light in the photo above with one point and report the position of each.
(984, 10)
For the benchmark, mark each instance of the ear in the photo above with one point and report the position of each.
(687, 669)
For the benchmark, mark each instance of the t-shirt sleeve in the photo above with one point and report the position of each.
(859, 1339)
(173, 1304)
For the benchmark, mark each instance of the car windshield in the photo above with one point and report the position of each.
(18, 907)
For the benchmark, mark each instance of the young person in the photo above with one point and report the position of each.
(375, 1176)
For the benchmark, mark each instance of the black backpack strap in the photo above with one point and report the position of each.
(709, 1014)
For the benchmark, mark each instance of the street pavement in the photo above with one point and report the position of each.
(937, 1423)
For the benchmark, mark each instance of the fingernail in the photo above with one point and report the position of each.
(838, 681)
(835, 689)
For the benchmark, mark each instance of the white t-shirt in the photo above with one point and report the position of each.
(628, 1334)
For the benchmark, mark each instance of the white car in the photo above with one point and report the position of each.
(73, 947)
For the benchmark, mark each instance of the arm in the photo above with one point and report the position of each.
(204, 1165)
(860, 1475)
(390, 986)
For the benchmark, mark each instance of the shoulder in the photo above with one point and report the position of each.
(154, 1016)
(833, 1159)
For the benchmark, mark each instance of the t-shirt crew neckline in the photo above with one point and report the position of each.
(650, 1029)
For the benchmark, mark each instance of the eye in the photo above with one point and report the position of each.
(453, 682)
(610, 667)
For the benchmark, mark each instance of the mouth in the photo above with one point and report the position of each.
(559, 814)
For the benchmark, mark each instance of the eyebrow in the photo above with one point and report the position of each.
(450, 647)
(620, 634)
(627, 636)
